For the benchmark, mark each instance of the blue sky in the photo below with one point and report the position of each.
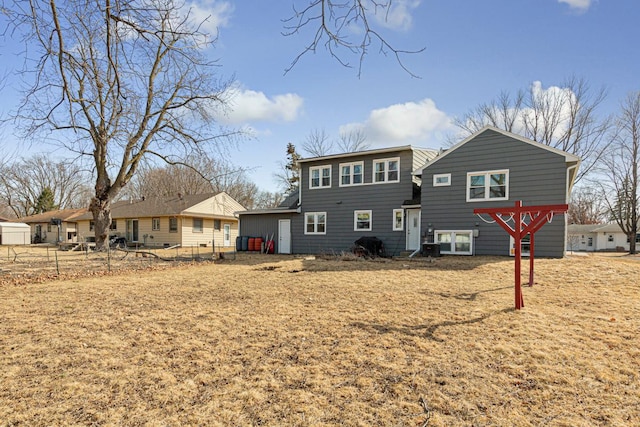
(474, 49)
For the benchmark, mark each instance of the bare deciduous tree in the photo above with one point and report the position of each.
(317, 143)
(345, 29)
(352, 141)
(621, 167)
(587, 206)
(203, 175)
(121, 80)
(564, 118)
(22, 182)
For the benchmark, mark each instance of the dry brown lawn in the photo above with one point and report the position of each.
(284, 341)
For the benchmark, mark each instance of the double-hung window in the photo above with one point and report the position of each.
(197, 225)
(362, 221)
(320, 177)
(490, 185)
(351, 173)
(386, 170)
(315, 223)
(155, 224)
(173, 224)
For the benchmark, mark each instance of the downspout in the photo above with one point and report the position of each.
(571, 169)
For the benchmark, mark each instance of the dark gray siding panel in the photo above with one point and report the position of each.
(264, 225)
(536, 176)
(339, 203)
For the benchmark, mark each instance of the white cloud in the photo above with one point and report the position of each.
(578, 5)
(399, 16)
(247, 106)
(211, 14)
(412, 123)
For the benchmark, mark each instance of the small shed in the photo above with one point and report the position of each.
(15, 233)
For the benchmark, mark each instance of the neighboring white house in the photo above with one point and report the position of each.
(14, 233)
(597, 237)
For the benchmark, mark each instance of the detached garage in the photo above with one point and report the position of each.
(15, 233)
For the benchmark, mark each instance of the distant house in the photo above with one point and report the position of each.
(597, 237)
(406, 197)
(54, 226)
(493, 168)
(344, 197)
(186, 220)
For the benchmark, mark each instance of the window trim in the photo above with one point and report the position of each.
(155, 223)
(394, 225)
(441, 184)
(351, 174)
(193, 225)
(315, 223)
(487, 185)
(454, 233)
(386, 170)
(320, 169)
(355, 219)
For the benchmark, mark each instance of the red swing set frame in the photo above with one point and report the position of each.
(538, 216)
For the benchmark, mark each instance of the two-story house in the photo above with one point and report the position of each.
(494, 168)
(374, 193)
(344, 197)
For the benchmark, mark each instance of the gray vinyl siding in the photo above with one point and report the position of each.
(264, 225)
(536, 176)
(339, 203)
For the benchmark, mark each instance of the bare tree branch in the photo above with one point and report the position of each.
(343, 26)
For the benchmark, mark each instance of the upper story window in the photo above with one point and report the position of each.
(320, 177)
(442, 180)
(386, 170)
(489, 185)
(351, 173)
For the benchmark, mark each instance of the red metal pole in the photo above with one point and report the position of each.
(518, 253)
(531, 249)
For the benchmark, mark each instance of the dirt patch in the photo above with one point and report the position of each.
(246, 342)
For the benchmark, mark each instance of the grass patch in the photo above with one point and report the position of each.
(284, 341)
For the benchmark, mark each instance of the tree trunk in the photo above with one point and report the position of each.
(101, 210)
(632, 243)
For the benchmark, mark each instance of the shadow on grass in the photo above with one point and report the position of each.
(467, 296)
(426, 331)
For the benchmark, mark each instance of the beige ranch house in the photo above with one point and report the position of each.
(202, 220)
(54, 227)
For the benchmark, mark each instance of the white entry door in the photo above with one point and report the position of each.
(284, 236)
(413, 229)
